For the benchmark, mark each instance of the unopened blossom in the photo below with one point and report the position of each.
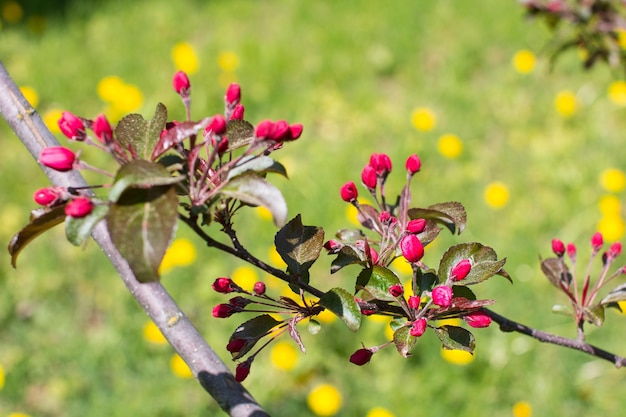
(418, 328)
(396, 290)
(477, 319)
(233, 94)
(259, 288)
(223, 311)
(235, 345)
(461, 270)
(349, 193)
(181, 83)
(558, 247)
(413, 164)
(412, 249)
(416, 226)
(361, 356)
(597, 241)
(58, 158)
(381, 164)
(46, 196)
(243, 370)
(72, 126)
(442, 295)
(224, 285)
(79, 207)
(102, 129)
(368, 176)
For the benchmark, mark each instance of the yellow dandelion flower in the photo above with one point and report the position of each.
(226, 78)
(110, 87)
(245, 276)
(352, 213)
(129, 100)
(1, 377)
(185, 58)
(179, 367)
(524, 61)
(389, 331)
(228, 61)
(326, 316)
(275, 259)
(18, 415)
(457, 357)
(496, 195)
(403, 267)
(263, 213)
(324, 400)
(522, 409)
(180, 253)
(284, 355)
(12, 12)
(36, 24)
(450, 322)
(566, 104)
(610, 205)
(152, 334)
(423, 119)
(379, 412)
(612, 227)
(621, 37)
(617, 93)
(51, 119)
(613, 180)
(30, 94)
(450, 146)
(622, 305)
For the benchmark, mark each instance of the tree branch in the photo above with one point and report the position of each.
(207, 367)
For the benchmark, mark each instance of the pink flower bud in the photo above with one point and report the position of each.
(361, 356)
(57, 158)
(264, 129)
(224, 285)
(414, 302)
(243, 370)
(349, 193)
(259, 288)
(596, 241)
(558, 247)
(442, 296)
(181, 83)
(477, 319)
(418, 328)
(235, 345)
(373, 255)
(396, 290)
(416, 226)
(222, 311)
(295, 131)
(386, 218)
(412, 249)
(413, 164)
(381, 164)
(102, 129)
(71, 126)
(571, 251)
(332, 246)
(280, 131)
(461, 269)
(615, 250)
(368, 176)
(46, 196)
(233, 94)
(220, 143)
(79, 207)
(237, 113)
(217, 125)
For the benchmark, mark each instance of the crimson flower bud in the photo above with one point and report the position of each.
(332, 246)
(349, 192)
(597, 241)
(396, 290)
(412, 249)
(361, 356)
(224, 285)
(477, 319)
(416, 226)
(381, 164)
(295, 131)
(217, 125)
(418, 328)
(235, 345)
(442, 295)
(615, 250)
(46, 196)
(181, 83)
(237, 113)
(264, 129)
(79, 207)
(280, 131)
(220, 143)
(414, 302)
(243, 370)
(413, 164)
(259, 288)
(373, 255)
(71, 126)
(233, 94)
(368, 176)
(461, 270)
(571, 251)
(102, 129)
(558, 247)
(57, 158)
(222, 311)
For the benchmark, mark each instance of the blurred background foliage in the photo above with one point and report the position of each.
(532, 152)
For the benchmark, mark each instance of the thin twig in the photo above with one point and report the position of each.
(207, 367)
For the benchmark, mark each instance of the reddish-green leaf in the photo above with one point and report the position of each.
(369, 217)
(78, 229)
(258, 165)
(594, 314)
(240, 133)
(456, 338)
(557, 272)
(140, 174)
(485, 263)
(133, 131)
(298, 245)
(41, 220)
(251, 331)
(404, 341)
(342, 303)
(178, 134)
(255, 191)
(451, 214)
(377, 284)
(347, 255)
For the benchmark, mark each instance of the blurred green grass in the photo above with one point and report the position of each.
(352, 73)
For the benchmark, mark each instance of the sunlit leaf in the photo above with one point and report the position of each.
(78, 229)
(557, 272)
(257, 164)
(456, 338)
(133, 131)
(239, 133)
(298, 245)
(403, 341)
(452, 215)
(140, 174)
(377, 283)
(342, 303)
(618, 294)
(485, 263)
(251, 331)
(594, 314)
(347, 256)
(255, 191)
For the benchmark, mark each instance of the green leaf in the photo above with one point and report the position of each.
(142, 224)
(342, 303)
(452, 215)
(404, 341)
(140, 174)
(41, 220)
(176, 135)
(347, 256)
(483, 258)
(456, 338)
(350, 235)
(378, 283)
(313, 327)
(134, 132)
(251, 331)
(78, 229)
(594, 314)
(240, 133)
(254, 190)
(257, 164)
(299, 246)
(618, 294)
(565, 310)
(557, 272)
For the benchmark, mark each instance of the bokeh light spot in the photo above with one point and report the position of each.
(450, 146)
(30, 94)
(566, 104)
(179, 367)
(610, 205)
(379, 412)
(185, 58)
(457, 357)
(524, 61)
(245, 276)
(324, 400)
(12, 12)
(612, 227)
(51, 119)
(228, 61)
(152, 334)
(180, 253)
(613, 180)
(617, 93)
(522, 409)
(496, 195)
(284, 355)
(423, 119)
